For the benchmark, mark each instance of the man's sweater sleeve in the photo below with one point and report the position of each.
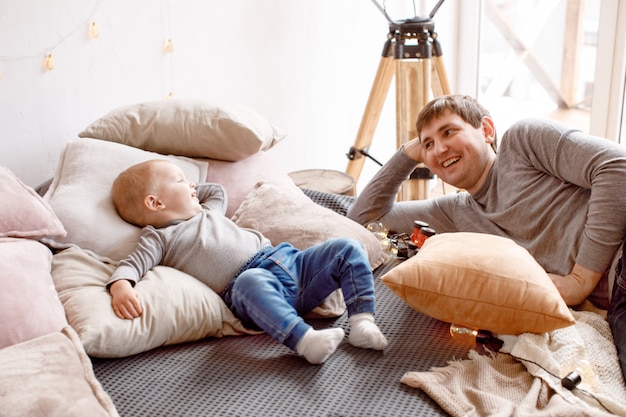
(591, 163)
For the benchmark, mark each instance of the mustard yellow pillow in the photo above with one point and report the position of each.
(481, 281)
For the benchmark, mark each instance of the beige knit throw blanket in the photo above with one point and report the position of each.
(525, 378)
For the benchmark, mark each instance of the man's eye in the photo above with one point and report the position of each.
(448, 132)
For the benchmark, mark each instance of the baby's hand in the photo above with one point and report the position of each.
(125, 300)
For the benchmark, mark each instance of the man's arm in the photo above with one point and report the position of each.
(413, 149)
(379, 195)
(577, 285)
(592, 163)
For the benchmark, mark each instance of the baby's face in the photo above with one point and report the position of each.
(175, 192)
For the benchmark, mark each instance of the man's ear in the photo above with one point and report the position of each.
(152, 203)
(489, 129)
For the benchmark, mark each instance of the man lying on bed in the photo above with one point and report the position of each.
(555, 191)
(265, 286)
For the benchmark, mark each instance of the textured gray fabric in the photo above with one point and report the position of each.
(336, 202)
(256, 376)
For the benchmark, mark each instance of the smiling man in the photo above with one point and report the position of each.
(556, 191)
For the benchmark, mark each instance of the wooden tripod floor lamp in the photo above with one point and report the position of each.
(412, 52)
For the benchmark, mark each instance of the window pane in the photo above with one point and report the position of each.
(538, 58)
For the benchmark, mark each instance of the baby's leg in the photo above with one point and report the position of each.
(261, 298)
(343, 263)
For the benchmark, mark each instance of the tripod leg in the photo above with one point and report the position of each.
(374, 107)
(441, 85)
(412, 92)
(413, 85)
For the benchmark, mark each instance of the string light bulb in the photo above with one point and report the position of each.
(94, 31)
(169, 46)
(48, 62)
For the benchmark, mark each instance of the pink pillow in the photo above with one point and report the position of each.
(23, 213)
(239, 178)
(29, 304)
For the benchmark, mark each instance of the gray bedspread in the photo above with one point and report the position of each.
(256, 376)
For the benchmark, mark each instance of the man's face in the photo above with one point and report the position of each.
(457, 152)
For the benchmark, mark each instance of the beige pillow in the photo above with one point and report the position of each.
(288, 215)
(188, 127)
(177, 308)
(23, 213)
(51, 376)
(481, 281)
(80, 195)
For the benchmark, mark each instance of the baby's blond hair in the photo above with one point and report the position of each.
(130, 189)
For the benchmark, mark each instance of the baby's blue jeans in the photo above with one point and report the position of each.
(280, 284)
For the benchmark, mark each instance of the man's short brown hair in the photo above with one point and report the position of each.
(466, 107)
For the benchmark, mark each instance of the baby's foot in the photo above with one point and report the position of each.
(317, 345)
(364, 333)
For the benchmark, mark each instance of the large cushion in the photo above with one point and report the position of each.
(177, 308)
(80, 195)
(287, 215)
(480, 281)
(189, 127)
(29, 304)
(23, 213)
(240, 177)
(51, 376)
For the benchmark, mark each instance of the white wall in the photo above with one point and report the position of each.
(306, 65)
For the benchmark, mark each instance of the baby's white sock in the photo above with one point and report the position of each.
(317, 345)
(364, 333)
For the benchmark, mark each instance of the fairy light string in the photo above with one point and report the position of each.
(168, 48)
(45, 57)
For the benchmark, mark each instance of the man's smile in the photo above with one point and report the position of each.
(450, 161)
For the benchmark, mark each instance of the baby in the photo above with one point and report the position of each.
(267, 287)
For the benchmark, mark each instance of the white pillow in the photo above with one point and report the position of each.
(177, 308)
(80, 195)
(189, 127)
